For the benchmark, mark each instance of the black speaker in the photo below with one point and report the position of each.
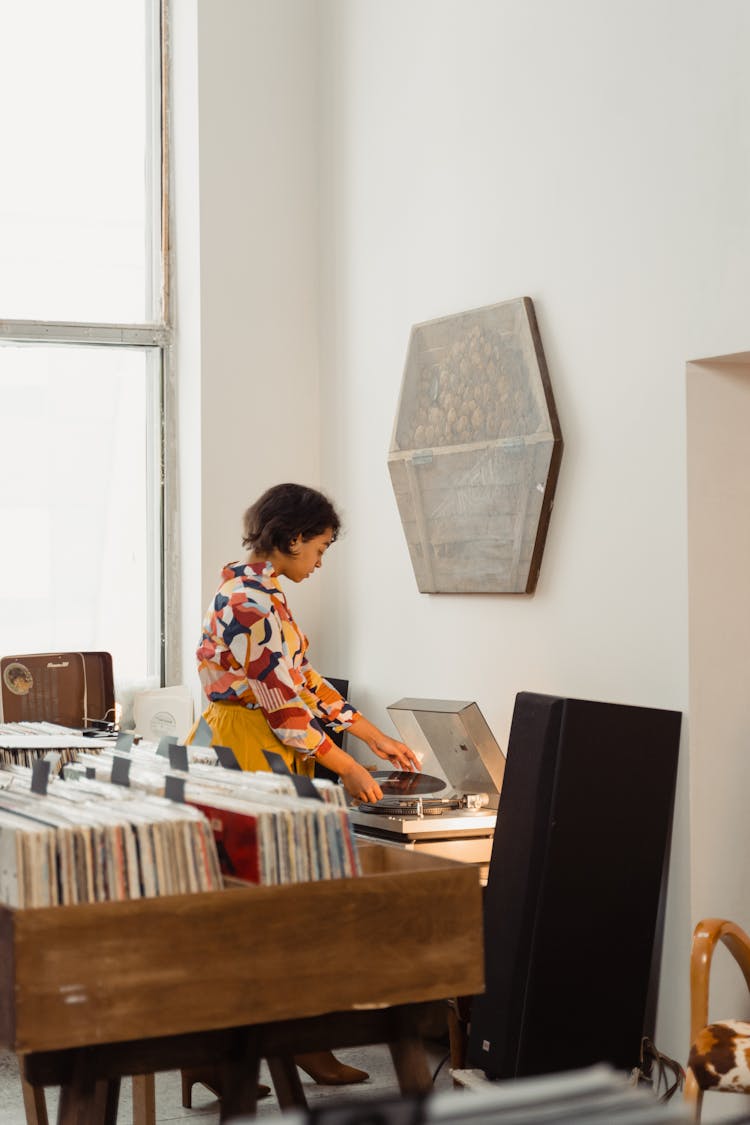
(577, 881)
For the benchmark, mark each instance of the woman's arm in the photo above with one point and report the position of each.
(356, 778)
(341, 715)
(258, 647)
(325, 701)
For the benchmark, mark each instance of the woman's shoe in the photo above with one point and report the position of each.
(325, 1069)
(208, 1076)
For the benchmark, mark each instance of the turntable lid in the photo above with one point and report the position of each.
(454, 735)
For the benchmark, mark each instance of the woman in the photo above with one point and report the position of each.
(263, 693)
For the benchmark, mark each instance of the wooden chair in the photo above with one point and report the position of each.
(719, 1051)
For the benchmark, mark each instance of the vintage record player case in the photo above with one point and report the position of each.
(454, 812)
(74, 689)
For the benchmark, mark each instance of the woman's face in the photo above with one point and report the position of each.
(305, 556)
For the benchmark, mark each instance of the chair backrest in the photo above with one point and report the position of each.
(75, 689)
(321, 770)
(342, 687)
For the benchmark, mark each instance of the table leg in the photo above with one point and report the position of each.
(286, 1082)
(108, 1098)
(411, 1065)
(459, 1011)
(34, 1102)
(85, 1101)
(239, 1076)
(144, 1099)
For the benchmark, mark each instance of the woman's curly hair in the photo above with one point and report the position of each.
(282, 513)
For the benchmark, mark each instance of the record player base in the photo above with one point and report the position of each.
(89, 994)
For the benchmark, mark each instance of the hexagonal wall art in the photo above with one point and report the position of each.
(476, 451)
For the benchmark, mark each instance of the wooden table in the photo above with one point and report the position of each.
(89, 994)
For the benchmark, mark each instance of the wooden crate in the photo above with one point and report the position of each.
(408, 930)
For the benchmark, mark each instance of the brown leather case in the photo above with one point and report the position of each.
(71, 688)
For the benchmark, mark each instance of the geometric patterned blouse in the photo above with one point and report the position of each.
(253, 654)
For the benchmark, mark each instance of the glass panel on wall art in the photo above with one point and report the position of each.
(79, 503)
(79, 193)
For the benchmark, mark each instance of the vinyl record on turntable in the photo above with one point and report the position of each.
(404, 783)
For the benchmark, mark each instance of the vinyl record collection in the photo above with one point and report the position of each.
(25, 743)
(73, 845)
(129, 824)
(264, 831)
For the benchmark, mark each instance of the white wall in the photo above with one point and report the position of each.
(594, 157)
(248, 315)
(590, 155)
(183, 464)
(718, 415)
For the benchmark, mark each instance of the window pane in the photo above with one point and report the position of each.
(79, 120)
(79, 566)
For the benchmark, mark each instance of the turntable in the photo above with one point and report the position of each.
(450, 808)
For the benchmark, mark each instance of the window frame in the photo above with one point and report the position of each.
(155, 337)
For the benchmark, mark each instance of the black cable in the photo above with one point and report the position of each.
(440, 1066)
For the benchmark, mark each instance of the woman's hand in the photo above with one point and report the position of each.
(398, 754)
(359, 782)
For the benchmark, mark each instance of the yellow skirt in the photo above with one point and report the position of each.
(248, 734)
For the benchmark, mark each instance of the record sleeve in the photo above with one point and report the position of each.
(237, 842)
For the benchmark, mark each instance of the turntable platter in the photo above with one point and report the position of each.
(403, 807)
(403, 783)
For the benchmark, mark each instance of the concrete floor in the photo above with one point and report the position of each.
(376, 1060)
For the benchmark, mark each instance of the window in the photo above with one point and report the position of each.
(84, 335)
